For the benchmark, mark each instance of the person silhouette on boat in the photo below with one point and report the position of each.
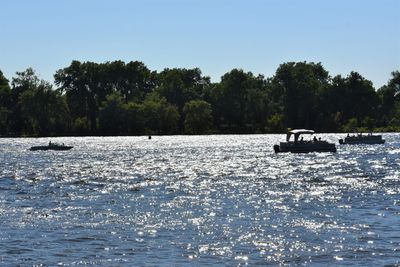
(315, 139)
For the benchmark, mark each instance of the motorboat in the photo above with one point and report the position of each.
(51, 146)
(362, 139)
(299, 145)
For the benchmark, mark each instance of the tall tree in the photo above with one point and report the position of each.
(362, 97)
(240, 100)
(351, 100)
(138, 81)
(198, 118)
(299, 84)
(23, 82)
(160, 117)
(395, 81)
(179, 86)
(85, 88)
(390, 101)
(36, 108)
(71, 81)
(45, 110)
(111, 115)
(88, 84)
(5, 104)
(132, 80)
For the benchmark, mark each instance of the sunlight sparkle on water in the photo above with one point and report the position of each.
(198, 200)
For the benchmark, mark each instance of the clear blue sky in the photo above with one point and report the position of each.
(214, 35)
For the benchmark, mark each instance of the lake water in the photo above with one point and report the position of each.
(225, 200)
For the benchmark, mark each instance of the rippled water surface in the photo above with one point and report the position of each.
(198, 200)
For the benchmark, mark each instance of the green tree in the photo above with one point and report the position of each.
(352, 97)
(390, 101)
(111, 115)
(36, 108)
(259, 104)
(298, 85)
(235, 86)
(240, 101)
(160, 116)
(333, 104)
(132, 80)
(138, 81)
(134, 118)
(387, 108)
(179, 86)
(24, 81)
(118, 118)
(45, 110)
(363, 97)
(86, 87)
(88, 84)
(394, 82)
(5, 104)
(72, 81)
(198, 117)
(5, 91)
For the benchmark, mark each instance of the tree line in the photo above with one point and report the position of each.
(118, 98)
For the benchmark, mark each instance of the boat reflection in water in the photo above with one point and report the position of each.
(51, 146)
(362, 139)
(298, 145)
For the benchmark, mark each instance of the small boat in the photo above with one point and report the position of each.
(51, 146)
(298, 145)
(362, 139)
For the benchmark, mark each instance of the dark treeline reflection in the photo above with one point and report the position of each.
(118, 98)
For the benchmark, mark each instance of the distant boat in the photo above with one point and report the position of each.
(298, 145)
(51, 146)
(362, 139)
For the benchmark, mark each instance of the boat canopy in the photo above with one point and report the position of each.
(297, 133)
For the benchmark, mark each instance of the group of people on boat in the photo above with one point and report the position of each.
(298, 145)
(358, 135)
(55, 144)
(313, 140)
